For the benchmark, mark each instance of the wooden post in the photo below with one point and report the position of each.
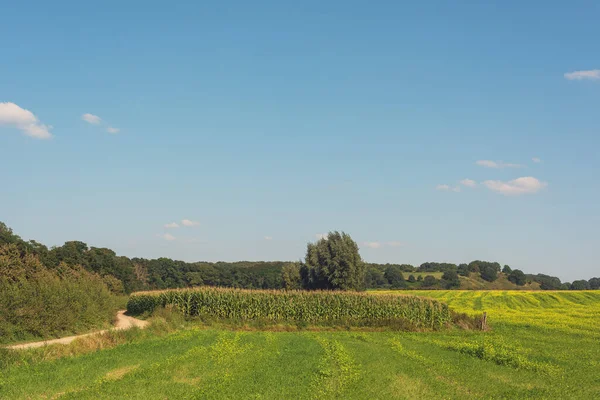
(484, 321)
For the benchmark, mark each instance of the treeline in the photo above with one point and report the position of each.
(124, 275)
(38, 302)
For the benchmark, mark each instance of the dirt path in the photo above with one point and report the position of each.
(123, 322)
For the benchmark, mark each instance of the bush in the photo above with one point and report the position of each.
(412, 279)
(394, 276)
(451, 279)
(506, 270)
(488, 273)
(517, 277)
(429, 281)
(36, 302)
(314, 307)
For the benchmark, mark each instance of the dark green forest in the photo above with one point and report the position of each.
(124, 275)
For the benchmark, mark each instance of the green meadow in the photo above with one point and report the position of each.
(541, 345)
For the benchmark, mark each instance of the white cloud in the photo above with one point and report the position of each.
(593, 74)
(168, 237)
(321, 236)
(372, 245)
(468, 182)
(24, 120)
(447, 188)
(110, 129)
(91, 118)
(187, 222)
(523, 185)
(496, 164)
(536, 160)
(268, 238)
(172, 225)
(394, 244)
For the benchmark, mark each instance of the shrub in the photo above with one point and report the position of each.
(451, 279)
(488, 273)
(36, 302)
(394, 276)
(429, 281)
(517, 277)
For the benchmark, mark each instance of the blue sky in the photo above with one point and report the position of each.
(265, 124)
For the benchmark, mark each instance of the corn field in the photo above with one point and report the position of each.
(314, 307)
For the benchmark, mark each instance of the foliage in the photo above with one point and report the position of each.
(310, 307)
(36, 302)
(290, 274)
(393, 275)
(506, 270)
(450, 279)
(580, 285)
(429, 281)
(517, 277)
(463, 270)
(333, 263)
(488, 272)
(412, 278)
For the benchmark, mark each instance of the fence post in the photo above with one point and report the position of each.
(484, 321)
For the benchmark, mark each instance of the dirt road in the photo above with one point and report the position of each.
(123, 322)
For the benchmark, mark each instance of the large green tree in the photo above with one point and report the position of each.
(333, 262)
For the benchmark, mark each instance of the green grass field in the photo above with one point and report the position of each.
(541, 345)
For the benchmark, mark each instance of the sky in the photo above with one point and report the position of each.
(428, 131)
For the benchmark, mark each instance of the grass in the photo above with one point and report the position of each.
(542, 345)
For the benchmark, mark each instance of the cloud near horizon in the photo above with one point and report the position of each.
(172, 225)
(496, 164)
(523, 185)
(592, 74)
(24, 120)
(187, 222)
(378, 245)
(91, 118)
(468, 182)
(447, 188)
(168, 237)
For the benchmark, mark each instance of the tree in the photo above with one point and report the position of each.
(290, 275)
(412, 279)
(394, 276)
(517, 277)
(506, 270)
(420, 278)
(580, 285)
(451, 279)
(463, 270)
(429, 281)
(374, 278)
(333, 263)
(488, 273)
(594, 283)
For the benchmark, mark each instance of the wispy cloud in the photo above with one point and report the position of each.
(268, 238)
(523, 185)
(447, 188)
(536, 160)
(592, 74)
(379, 245)
(172, 225)
(394, 244)
(468, 183)
(168, 237)
(496, 164)
(112, 130)
(91, 118)
(321, 236)
(187, 222)
(24, 120)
